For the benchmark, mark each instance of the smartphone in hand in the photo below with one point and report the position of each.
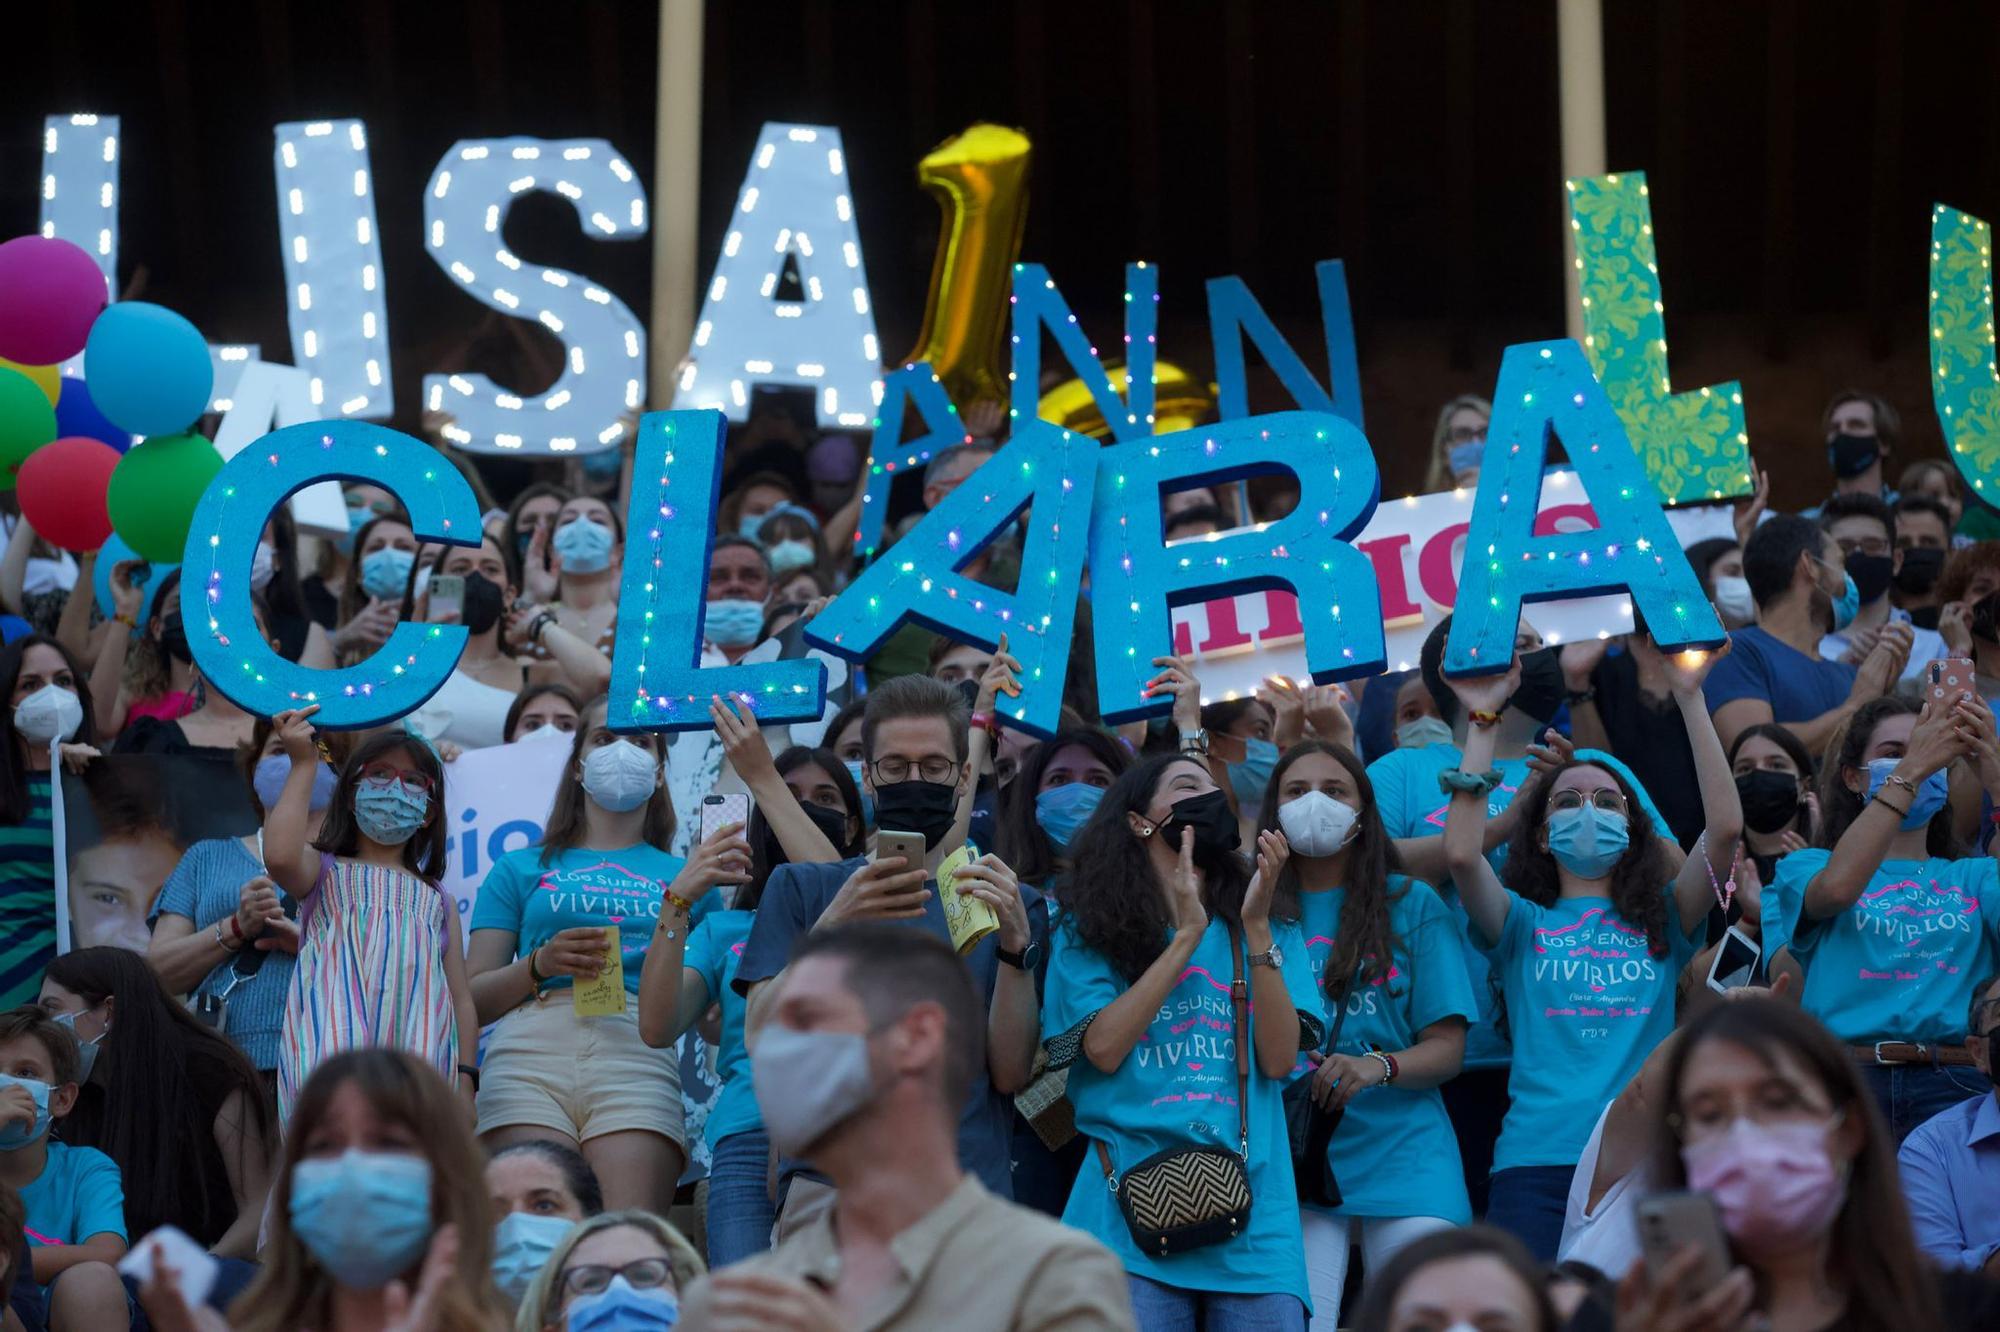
(1735, 963)
(719, 811)
(907, 846)
(1948, 677)
(1670, 1223)
(447, 595)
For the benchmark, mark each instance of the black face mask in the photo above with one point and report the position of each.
(1540, 693)
(1770, 799)
(482, 604)
(1871, 575)
(1921, 567)
(968, 689)
(832, 822)
(1851, 455)
(1209, 818)
(1984, 618)
(924, 808)
(173, 637)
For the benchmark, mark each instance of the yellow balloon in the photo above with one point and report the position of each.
(1181, 401)
(980, 180)
(47, 378)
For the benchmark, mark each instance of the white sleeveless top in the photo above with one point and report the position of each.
(1606, 1236)
(466, 712)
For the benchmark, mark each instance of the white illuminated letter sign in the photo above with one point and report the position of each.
(80, 193)
(333, 267)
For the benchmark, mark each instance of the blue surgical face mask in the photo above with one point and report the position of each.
(388, 814)
(748, 524)
(86, 1049)
(622, 1307)
(585, 546)
(273, 770)
(522, 1242)
(1249, 778)
(792, 554)
(1466, 457)
(867, 799)
(1931, 794)
(365, 1216)
(1848, 605)
(15, 1136)
(1061, 810)
(357, 514)
(733, 623)
(1587, 841)
(386, 572)
(1422, 732)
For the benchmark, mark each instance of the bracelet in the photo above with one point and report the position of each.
(1889, 805)
(470, 1072)
(535, 976)
(681, 904)
(236, 931)
(1453, 780)
(1894, 779)
(1579, 696)
(987, 722)
(223, 943)
(1483, 719)
(540, 626)
(1388, 1066)
(129, 621)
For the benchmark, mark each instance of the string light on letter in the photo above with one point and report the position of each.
(795, 214)
(1038, 305)
(1964, 386)
(1546, 391)
(233, 655)
(1234, 314)
(657, 679)
(1136, 578)
(920, 578)
(79, 193)
(890, 455)
(604, 359)
(333, 266)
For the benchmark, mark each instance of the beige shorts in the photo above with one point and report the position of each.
(581, 1077)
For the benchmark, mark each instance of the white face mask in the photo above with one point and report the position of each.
(1732, 598)
(620, 776)
(809, 1083)
(50, 713)
(263, 565)
(1316, 824)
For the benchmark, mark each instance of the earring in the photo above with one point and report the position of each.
(1145, 830)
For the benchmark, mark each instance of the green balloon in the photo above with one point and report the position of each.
(154, 491)
(26, 422)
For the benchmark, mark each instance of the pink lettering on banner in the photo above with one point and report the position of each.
(1437, 571)
(1386, 554)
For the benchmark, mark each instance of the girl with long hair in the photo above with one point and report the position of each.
(1887, 914)
(1160, 914)
(380, 957)
(1386, 948)
(572, 571)
(817, 818)
(1589, 934)
(385, 551)
(1056, 790)
(152, 675)
(1458, 443)
(1774, 784)
(46, 702)
(548, 917)
(540, 1190)
(178, 1107)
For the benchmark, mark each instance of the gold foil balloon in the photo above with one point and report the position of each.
(1182, 401)
(980, 180)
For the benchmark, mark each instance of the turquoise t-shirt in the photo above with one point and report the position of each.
(715, 949)
(1406, 793)
(1177, 1089)
(1900, 964)
(78, 1194)
(1587, 1002)
(1426, 983)
(534, 902)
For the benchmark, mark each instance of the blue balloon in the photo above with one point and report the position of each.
(148, 368)
(108, 558)
(77, 415)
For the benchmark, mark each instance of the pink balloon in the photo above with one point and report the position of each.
(63, 488)
(50, 294)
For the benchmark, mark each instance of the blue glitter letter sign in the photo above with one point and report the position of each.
(1234, 314)
(222, 543)
(1546, 390)
(1042, 465)
(888, 453)
(657, 680)
(1038, 305)
(604, 365)
(1136, 578)
(333, 266)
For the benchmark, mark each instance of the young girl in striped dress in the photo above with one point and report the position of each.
(380, 957)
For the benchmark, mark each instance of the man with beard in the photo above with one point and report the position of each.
(1774, 670)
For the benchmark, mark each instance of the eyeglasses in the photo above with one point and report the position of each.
(1604, 798)
(1467, 435)
(590, 1278)
(897, 769)
(1865, 546)
(382, 774)
(1773, 1103)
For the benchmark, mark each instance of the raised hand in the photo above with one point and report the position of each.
(1579, 659)
(126, 594)
(293, 728)
(419, 1312)
(1750, 511)
(1288, 709)
(879, 890)
(1955, 628)
(1176, 677)
(1000, 678)
(989, 880)
(1685, 671)
(1940, 737)
(1272, 852)
(1555, 752)
(1487, 693)
(743, 743)
(721, 857)
(1326, 713)
(1185, 909)
(541, 574)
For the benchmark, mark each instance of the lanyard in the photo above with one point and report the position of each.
(1725, 892)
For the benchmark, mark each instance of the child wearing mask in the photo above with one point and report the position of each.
(380, 956)
(72, 1197)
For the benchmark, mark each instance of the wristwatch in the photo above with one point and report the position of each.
(1272, 957)
(1195, 742)
(1025, 960)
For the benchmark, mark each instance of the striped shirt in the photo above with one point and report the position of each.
(27, 897)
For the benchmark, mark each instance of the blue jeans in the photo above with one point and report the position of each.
(740, 1211)
(1911, 1093)
(1528, 1202)
(1162, 1308)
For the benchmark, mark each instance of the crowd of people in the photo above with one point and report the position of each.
(1623, 988)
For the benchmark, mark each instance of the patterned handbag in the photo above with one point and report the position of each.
(1190, 1197)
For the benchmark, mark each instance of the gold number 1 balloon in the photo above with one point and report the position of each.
(980, 180)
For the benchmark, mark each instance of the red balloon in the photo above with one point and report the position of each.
(62, 488)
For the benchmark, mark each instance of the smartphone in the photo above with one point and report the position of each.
(1735, 961)
(1948, 677)
(907, 846)
(447, 595)
(718, 811)
(1670, 1222)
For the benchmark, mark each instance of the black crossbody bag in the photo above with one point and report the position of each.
(1310, 1128)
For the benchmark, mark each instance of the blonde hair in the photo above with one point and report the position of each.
(534, 1314)
(1439, 475)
